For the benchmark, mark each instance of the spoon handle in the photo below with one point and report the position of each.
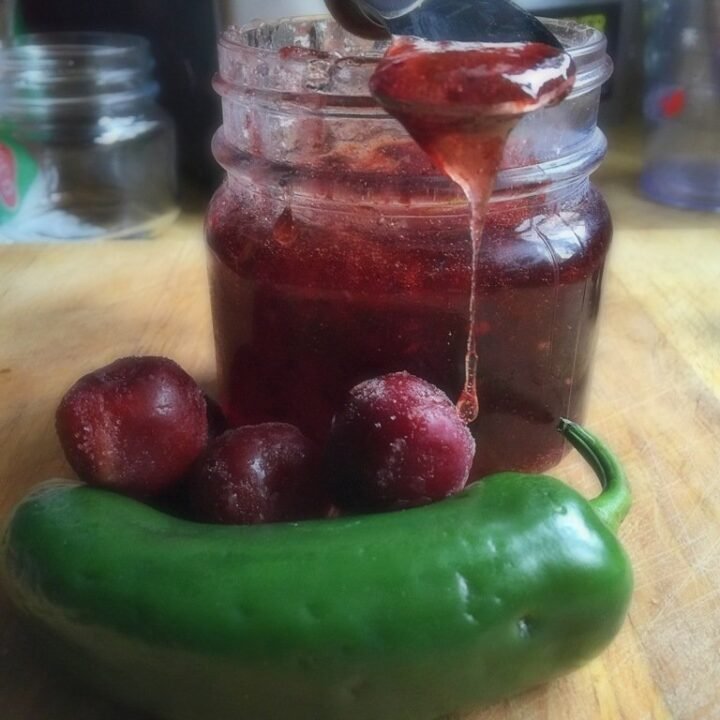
(459, 20)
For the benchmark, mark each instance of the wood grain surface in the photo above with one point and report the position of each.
(65, 309)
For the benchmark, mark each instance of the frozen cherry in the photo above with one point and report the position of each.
(397, 442)
(258, 474)
(135, 426)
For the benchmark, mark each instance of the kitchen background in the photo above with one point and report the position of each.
(184, 47)
(665, 52)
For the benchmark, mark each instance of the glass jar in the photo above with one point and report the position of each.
(682, 158)
(338, 252)
(85, 151)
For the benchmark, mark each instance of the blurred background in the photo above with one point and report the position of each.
(183, 34)
(667, 76)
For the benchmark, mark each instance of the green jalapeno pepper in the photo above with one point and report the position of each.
(402, 616)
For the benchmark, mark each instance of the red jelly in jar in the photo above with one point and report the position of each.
(338, 252)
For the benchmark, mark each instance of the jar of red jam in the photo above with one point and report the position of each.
(338, 252)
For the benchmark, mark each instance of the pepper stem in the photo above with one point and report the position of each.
(613, 503)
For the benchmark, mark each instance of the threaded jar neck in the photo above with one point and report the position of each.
(295, 96)
(74, 74)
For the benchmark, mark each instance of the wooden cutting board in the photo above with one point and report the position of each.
(65, 309)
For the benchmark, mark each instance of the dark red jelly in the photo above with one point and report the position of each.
(338, 253)
(307, 304)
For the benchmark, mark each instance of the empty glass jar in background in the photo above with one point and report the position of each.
(682, 60)
(85, 150)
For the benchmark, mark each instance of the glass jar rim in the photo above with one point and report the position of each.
(68, 69)
(328, 71)
(49, 48)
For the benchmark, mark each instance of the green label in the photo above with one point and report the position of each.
(18, 170)
(596, 20)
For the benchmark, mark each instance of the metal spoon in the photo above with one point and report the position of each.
(459, 20)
